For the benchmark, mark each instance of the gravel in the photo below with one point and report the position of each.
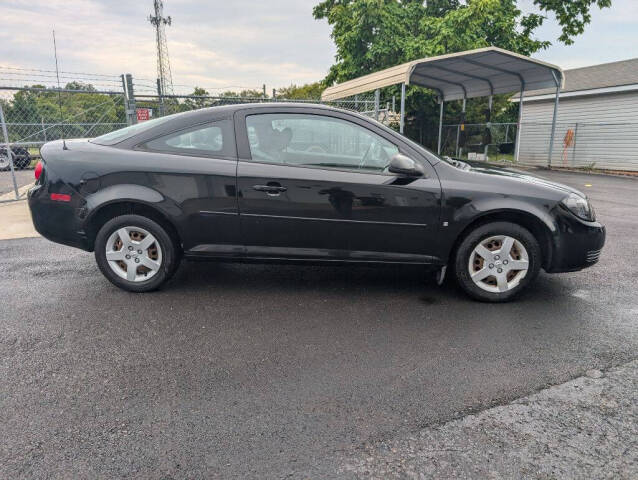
(585, 428)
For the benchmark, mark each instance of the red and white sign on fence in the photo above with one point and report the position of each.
(143, 114)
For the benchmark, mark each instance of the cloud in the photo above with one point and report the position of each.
(211, 44)
(239, 43)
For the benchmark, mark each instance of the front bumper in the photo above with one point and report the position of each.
(56, 221)
(577, 243)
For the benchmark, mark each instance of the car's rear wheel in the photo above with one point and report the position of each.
(496, 261)
(135, 253)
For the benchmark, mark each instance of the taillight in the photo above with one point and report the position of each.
(38, 170)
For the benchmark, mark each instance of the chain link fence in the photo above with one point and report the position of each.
(479, 141)
(600, 146)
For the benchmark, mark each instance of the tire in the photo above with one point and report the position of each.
(158, 260)
(21, 158)
(497, 278)
(4, 161)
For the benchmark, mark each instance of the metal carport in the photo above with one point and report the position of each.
(462, 75)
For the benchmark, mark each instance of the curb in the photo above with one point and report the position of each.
(22, 191)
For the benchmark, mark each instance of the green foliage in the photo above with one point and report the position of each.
(249, 93)
(195, 103)
(572, 15)
(29, 109)
(309, 91)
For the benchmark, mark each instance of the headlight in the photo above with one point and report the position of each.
(579, 206)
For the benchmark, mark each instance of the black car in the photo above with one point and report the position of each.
(307, 184)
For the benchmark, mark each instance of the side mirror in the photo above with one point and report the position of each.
(403, 165)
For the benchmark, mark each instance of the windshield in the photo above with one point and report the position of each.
(117, 136)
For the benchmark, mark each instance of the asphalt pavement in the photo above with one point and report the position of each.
(23, 177)
(273, 371)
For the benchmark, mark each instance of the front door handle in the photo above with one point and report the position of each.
(270, 189)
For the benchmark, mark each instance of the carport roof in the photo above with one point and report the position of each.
(469, 74)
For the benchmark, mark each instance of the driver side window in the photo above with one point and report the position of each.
(317, 141)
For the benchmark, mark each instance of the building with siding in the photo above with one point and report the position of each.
(597, 123)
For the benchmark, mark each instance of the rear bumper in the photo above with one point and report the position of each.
(578, 244)
(57, 221)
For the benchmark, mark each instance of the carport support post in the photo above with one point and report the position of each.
(458, 127)
(519, 127)
(551, 137)
(377, 97)
(9, 152)
(438, 149)
(488, 126)
(402, 115)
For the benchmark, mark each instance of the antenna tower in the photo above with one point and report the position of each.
(163, 64)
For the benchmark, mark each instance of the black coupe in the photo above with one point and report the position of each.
(303, 183)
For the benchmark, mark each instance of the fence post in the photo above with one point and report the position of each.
(9, 152)
(44, 130)
(161, 98)
(129, 99)
(123, 77)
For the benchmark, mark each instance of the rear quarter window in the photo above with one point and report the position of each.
(210, 139)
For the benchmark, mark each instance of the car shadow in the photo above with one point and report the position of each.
(404, 281)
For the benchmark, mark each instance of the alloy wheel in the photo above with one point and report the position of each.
(498, 263)
(133, 253)
(4, 161)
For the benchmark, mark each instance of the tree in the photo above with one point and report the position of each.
(572, 15)
(195, 103)
(309, 91)
(79, 111)
(249, 93)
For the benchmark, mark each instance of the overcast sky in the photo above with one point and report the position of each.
(234, 43)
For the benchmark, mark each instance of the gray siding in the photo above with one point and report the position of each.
(605, 130)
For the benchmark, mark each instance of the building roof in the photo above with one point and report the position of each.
(603, 76)
(469, 74)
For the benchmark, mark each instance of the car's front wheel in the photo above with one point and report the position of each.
(135, 253)
(496, 261)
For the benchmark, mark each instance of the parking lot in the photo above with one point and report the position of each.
(270, 371)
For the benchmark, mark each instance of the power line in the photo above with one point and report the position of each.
(61, 71)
